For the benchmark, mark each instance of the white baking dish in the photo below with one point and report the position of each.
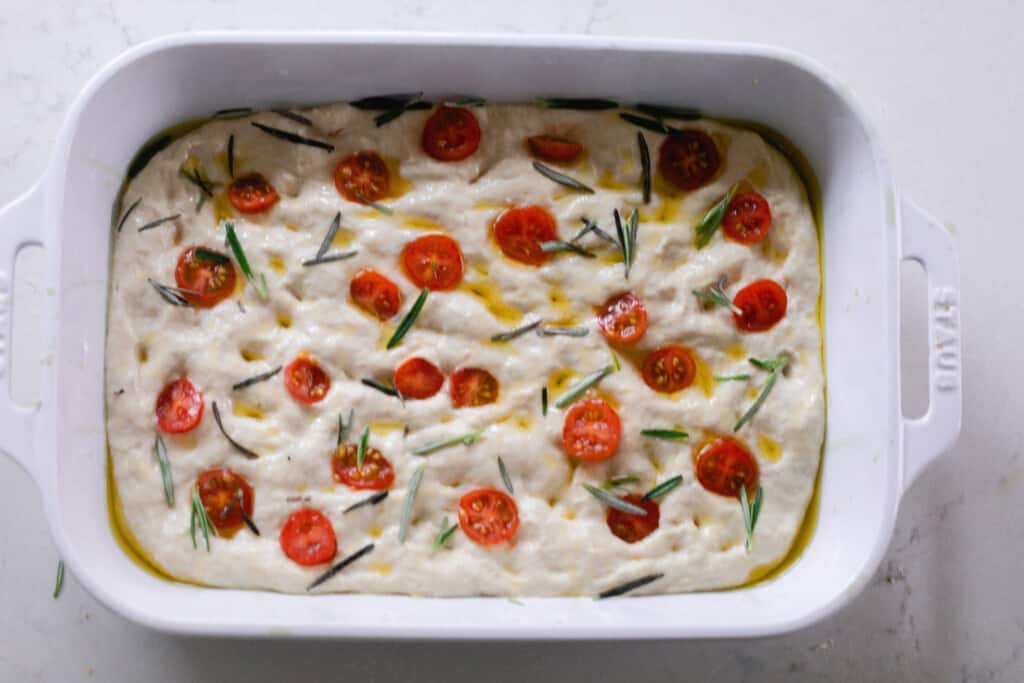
(871, 453)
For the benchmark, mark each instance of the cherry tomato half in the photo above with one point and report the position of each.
(592, 430)
(555, 150)
(763, 304)
(208, 275)
(307, 538)
(362, 177)
(688, 159)
(669, 369)
(375, 474)
(179, 407)
(473, 387)
(723, 465)
(433, 261)
(623, 318)
(219, 490)
(451, 134)
(418, 378)
(488, 516)
(375, 293)
(521, 230)
(305, 380)
(252, 193)
(632, 528)
(748, 218)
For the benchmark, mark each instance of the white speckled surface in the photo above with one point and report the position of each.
(945, 605)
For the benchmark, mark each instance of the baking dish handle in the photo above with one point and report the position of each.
(19, 227)
(925, 240)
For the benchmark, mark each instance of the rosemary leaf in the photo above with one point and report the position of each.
(627, 237)
(60, 579)
(408, 320)
(705, 230)
(172, 295)
(330, 573)
(252, 455)
(544, 401)
(578, 103)
(776, 365)
(260, 285)
(382, 102)
(517, 332)
(330, 258)
(663, 488)
(361, 450)
(380, 386)
(372, 500)
(466, 439)
(666, 112)
(613, 501)
(581, 387)
(561, 178)
(158, 222)
(644, 122)
(393, 114)
(750, 512)
(467, 101)
(232, 112)
(629, 586)
(343, 428)
(239, 501)
(203, 254)
(619, 482)
(231, 155)
(505, 477)
(715, 295)
(293, 137)
(292, 116)
(732, 378)
(590, 226)
(445, 533)
(165, 469)
(410, 498)
(563, 331)
(645, 166)
(256, 379)
(128, 212)
(372, 204)
(559, 245)
(199, 515)
(666, 434)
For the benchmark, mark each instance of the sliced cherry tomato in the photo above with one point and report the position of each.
(488, 516)
(521, 230)
(362, 177)
(688, 159)
(669, 369)
(451, 134)
(418, 378)
(375, 293)
(591, 430)
(763, 303)
(179, 407)
(252, 193)
(433, 261)
(307, 538)
(220, 490)
(376, 473)
(207, 275)
(632, 528)
(724, 465)
(623, 318)
(305, 380)
(748, 218)
(473, 387)
(556, 150)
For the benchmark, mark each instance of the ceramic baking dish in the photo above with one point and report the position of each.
(871, 454)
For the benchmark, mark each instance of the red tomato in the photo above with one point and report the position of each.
(763, 303)
(488, 516)
(362, 177)
(723, 465)
(218, 490)
(418, 378)
(451, 134)
(748, 218)
(375, 293)
(307, 538)
(688, 159)
(433, 261)
(632, 528)
(473, 387)
(179, 407)
(376, 473)
(252, 193)
(669, 369)
(556, 150)
(623, 318)
(520, 231)
(208, 276)
(305, 380)
(591, 430)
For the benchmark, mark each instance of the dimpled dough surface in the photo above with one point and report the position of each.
(563, 546)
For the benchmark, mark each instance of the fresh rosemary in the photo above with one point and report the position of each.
(252, 455)
(559, 245)
(260, 284)
(445, 533)
(408, 320)
(715, 294)
(613, 501)
(343, 428)
(465, 439)
(128, 212)
(60, 579)
(201, 519)
(372, 500)
(665, 112)
(705, 230)
(292, 116)
(330, 573)
(364, 439)
(751, 511)
(158, 222)
(645, 166)
(663, 488)
(505, 477)
(732, 378)
(410, 498)
(165, 469)
(619, 482)
(627, 237)
(293, 137)
(544, 401)
(563, 331)
(172, 295)
(629, 586)
(385, 102)
(383, 388)
(232, 112)
(775, 366)
(256, 379)
(591, 227)
(561, 178)
(665, 434)
(517, 332)
(231, 155)
(578, 103)
(585, 384)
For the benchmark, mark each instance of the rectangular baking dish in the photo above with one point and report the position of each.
(871, 454)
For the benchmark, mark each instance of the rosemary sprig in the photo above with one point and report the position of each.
(330, 258)
(732, 378)
(627, 237)
(343, 428)
(645, 166)
(629, 586)
(262, 377)
(293, 137)
(505, 477)
(408, 320)
(577, 103)
(165, 469)
(705, 230)
(715, 294)
(330, 573)
(60, 579)
(172, 295)
(410, 498)
(394, 113)
(559, 245)
(613, 501)
(372, 500)
(231, 155)
(158, 222)
(364, 439)
(563, 331)
(750, 512)
(654, 125)
(775, 366)
(544, 401)
(663, 488)
(665, 112)
(665, 434)
(388, 389)
(240, 502)
(590, 226)
(128, 212)
(517, 332)
(561, 178)
(467, 101)
(232, 112)
(445, 533)
(259, 285)
(210, 256)
(201, 519)
(588, 382)
(387, 211)
(383, 102)
(292, 116)
(465, 439)
(193, 173)
(619, 482)
(252, 455)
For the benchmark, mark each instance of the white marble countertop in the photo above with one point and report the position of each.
(942, 82)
